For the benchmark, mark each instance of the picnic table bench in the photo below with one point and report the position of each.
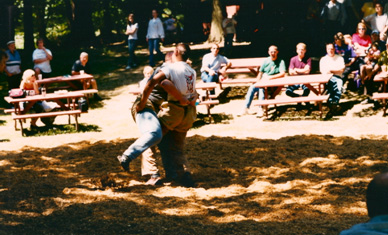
(311, 81)
(69, 108)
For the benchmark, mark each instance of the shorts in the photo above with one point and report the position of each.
(176, 117)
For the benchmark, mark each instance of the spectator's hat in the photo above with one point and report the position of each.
(10, 42)
(375, 32)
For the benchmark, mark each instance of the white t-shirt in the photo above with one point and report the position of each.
(327, 63)
(132, 27)
(377, 22)
(40, 54)
(213, 62)
(183, 77)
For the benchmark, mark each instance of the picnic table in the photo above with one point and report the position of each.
(382, 77)
(243, 65)
(314, 82)
(68, 107)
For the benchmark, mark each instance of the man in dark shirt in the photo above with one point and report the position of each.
(81, 66)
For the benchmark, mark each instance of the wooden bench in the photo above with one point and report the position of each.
(290, 100)
(381, 96)
(208, 104)
(22, 117)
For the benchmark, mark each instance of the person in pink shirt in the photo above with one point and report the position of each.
(361, 40)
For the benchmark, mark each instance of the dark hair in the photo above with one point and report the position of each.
(184, 50)
(133, 16)
(377, 195)
(38, 40)
(378, 2)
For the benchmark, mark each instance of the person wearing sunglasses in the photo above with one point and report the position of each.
(361, 40)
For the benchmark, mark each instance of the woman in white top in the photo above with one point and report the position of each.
(131, 31)
(155, 34)
(41, 57)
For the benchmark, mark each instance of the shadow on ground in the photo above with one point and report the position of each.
(293, 185)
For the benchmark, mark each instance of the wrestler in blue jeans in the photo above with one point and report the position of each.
(153, 44)
(151, 134)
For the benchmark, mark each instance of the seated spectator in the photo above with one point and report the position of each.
(29, 84)
(377, 205)
(83, 65)
(147, 72)
(377, 21)
(345, 49)
(13, 66)
(376, 37)
(299, 65)
(333, 64)
(361, 40)
(41, 57)
(369, 69)
(212, 66)
(272, 68)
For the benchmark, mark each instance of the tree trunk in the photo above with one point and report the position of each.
(216, 31)
(28, 27)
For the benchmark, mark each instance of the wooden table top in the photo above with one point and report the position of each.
(65, 78)
(293, 80)
(48, 96)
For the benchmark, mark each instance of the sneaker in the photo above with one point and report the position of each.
(187, 181)
(124, 161)
(260, 113)
(245, 111)
(154, 180)
(128, 67)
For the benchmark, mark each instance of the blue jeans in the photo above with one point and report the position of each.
(131, 48)
(153, 44)
(290, 90)
(151, 133)
(251, 94)
(335, 89)
(206, 77)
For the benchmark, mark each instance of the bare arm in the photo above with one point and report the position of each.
(303, 71)
(168, 86)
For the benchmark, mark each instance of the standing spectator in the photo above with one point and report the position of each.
(272, 68)
(171, 29)
(377, 205)
(377, 21)
(361, 40)
(155, 34)
(229, 27)
(131, 31)
(333, 64)
(13, 66)
(368, 8)
(314, 25)
(41, 57)
(214, 65)
(83, 65)
(334, 18)
(299, 65)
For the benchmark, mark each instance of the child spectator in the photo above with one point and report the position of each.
(147, 71)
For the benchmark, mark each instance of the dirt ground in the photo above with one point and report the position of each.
(291, 175)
